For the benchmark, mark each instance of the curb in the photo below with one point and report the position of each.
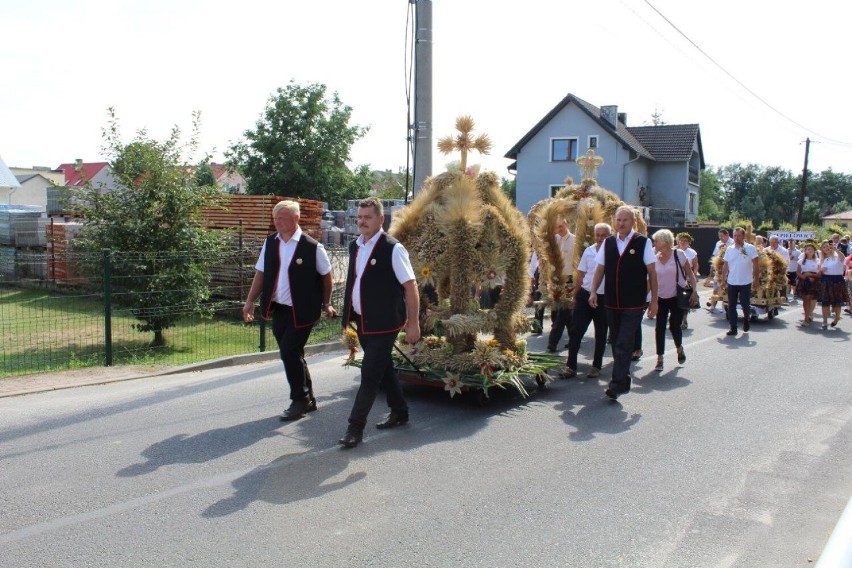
(230, 361)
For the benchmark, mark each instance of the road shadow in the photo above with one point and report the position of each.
(203, 447)
(590, 413)
(321, 467)
(666, 380)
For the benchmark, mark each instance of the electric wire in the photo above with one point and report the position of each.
(743, 85)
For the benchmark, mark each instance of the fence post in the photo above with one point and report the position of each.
(107, 308)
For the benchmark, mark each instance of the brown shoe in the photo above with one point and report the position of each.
(594, 373)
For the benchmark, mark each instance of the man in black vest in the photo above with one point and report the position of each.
(628, 262)
(293, 279)
(381, 298)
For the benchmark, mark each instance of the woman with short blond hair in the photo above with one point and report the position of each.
(673, 269)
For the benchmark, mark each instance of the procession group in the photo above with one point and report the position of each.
(623, 274)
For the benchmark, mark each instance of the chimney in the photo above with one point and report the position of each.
(622, 118)
(610, 114)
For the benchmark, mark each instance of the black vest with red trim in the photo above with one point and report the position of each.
(626, 284)
(305, 281)
(382, 296)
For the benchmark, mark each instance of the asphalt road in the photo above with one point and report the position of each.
(742, 457)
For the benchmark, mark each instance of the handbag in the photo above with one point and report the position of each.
(684, 293)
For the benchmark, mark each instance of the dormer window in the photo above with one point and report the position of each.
(563, 149)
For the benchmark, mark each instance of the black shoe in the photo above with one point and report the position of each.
(351, 439)
(395, 418)
(298, 408)
(611, 393)
(636, 355)
(732, 331)
(746, 324)
(551, 348)
(681, 356)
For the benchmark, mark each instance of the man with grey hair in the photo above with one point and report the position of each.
(627, 260)
(584, 314)
(739, 271)
(293, 279)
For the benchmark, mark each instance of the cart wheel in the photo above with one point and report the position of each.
(479, 398)
(771, 314)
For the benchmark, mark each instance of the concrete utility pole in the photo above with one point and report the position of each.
(804, 186)
(422, 127)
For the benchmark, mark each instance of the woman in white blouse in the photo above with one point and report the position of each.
(669, 276)
(833, 288)
(807, 280)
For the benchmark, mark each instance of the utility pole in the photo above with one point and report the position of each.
(804, 185)
(422, 127)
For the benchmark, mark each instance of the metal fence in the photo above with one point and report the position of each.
(55, 313)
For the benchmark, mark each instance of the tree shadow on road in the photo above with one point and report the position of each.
(590, 413)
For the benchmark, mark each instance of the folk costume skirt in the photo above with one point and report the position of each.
(833, 290)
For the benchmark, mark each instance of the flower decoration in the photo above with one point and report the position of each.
(453, 384)
(350, 342)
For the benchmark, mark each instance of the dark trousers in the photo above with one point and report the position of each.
(622, 325)
(667, 310)
(291, 344)
(376, 371)
(561, 320)
(583, 315)
(741, 295)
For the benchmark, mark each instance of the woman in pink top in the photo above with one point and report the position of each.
(669, 275)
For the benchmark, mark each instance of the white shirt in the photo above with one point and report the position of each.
(833, 265)
(566, 245)
(533, 265)
(588, 266)
(281, 294)
(399, 259)
(719, 244)
(740, 264)
(794, 259)
(689, 252)
(783, 252)
(809, 265)
(648, 255)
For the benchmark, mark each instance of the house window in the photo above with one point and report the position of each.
(563, 149)
(692, 203)
(593, 142)
(554, 189)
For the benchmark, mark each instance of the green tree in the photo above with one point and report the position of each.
(151, 223)
(299, 147)
(509, 187)
(204, 174)
(710, 198)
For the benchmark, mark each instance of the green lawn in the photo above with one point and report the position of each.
(42, 331)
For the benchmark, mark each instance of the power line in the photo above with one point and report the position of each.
(740, 83)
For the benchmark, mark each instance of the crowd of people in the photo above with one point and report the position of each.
(623, 276)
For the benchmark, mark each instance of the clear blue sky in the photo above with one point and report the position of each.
(506, 64)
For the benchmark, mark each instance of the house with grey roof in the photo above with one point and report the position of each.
(656, 167)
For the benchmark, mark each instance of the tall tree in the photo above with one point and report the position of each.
(509, 187)
(151, 223)
(299, 147)
(710, 201)
(204, 174)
